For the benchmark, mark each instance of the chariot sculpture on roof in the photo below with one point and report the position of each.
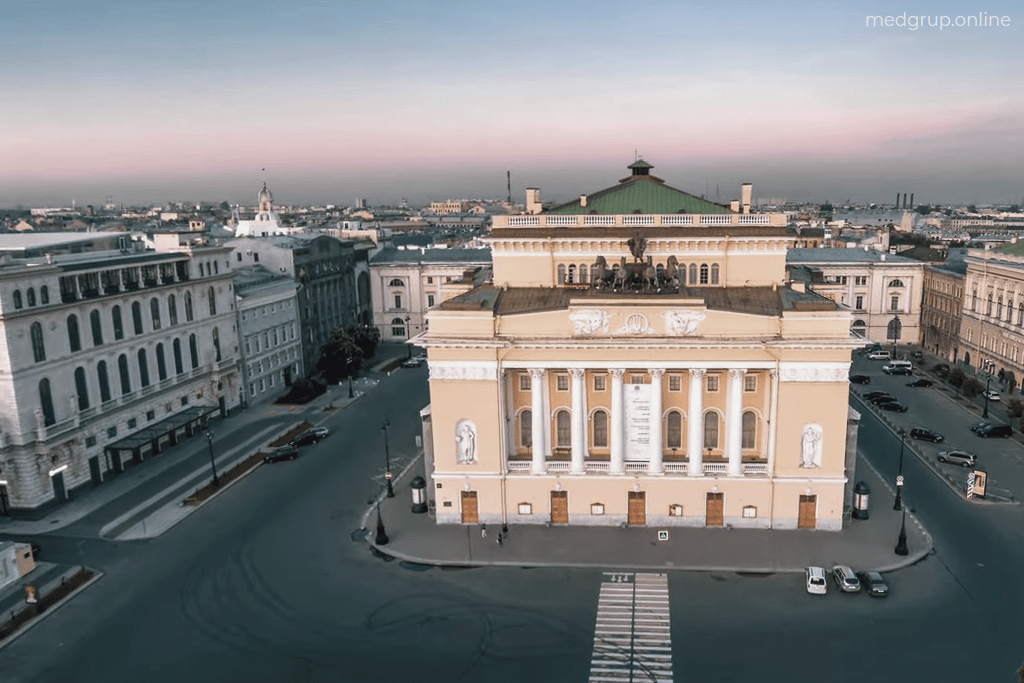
(641, 275)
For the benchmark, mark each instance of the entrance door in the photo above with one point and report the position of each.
(470, 511)
(115, 455)
(559, 507)
(715, 512)
(94, 470)
(808, 512)
(59, 492)
(5, 501)
(637, 514)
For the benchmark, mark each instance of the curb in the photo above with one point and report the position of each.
(28, 626)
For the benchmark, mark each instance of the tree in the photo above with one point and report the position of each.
(957, 377)
(340, 356)
(366, 338)
(923, 209)
(972, 387)
(1014, 407)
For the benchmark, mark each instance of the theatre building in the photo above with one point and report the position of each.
(640, 359)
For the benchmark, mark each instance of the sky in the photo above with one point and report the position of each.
(153, 101)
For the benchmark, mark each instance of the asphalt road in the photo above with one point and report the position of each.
(266, 584)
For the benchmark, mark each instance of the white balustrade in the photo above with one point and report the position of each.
(715, 467)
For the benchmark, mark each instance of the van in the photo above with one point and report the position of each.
(878, 354)
(991, 430)
(899, 367)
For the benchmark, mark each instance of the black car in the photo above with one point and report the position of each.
(289, 452)
(897, 370)
(310, 436)
(980, 425)
(882, 398)
(893, 406)
(860, 379)
(991, 430)
(874, 584)
(922, 382)
(923, 434)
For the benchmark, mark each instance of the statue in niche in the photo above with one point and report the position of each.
(465, 442)
(810, 446)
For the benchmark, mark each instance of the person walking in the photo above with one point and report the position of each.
(483, 531)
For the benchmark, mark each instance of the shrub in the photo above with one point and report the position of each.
(972, 387)
(957, 377)
(1014, 407)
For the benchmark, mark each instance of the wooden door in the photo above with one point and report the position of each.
(715, 511)
(808, 512)
(559, 507)
(637, 514)
(470, 511)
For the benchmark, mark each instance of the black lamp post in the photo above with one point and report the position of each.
(382, 535)
(350, 394)
(988, 380)
(898, 505)
(895, 333)
(213, 464)
(387, 459)
(408, 334)
(901, 540)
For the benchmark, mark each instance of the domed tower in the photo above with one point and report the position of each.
(266, 202)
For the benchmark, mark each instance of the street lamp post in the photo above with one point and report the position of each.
(350, 394)
(901, 540)
(895, 333)
(988, 380)
(213, 464)
(387, 458)
(382, 535)
(898, 505)
(408, 334)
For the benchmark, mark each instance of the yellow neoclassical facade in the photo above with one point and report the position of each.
(639, 359)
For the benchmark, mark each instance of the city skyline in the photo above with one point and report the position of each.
(170, 101)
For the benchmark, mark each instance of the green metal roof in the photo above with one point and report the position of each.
(639, 193)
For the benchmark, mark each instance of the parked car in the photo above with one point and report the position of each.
(941, 369)
(921, 382)
(980, 425)
(875, 393)
(880, 354)
(815, 579)
(860, 379)
(882, 398)
(994, 430)
(893, 407)
(412, 363)
(289, 452)
(962, 458)
(874, 584)
(310, 436)
(923, 434)
(897, 370)
(992, 395)
(846, 579)
(917, 354)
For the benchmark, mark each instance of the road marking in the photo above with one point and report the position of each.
(632, 634)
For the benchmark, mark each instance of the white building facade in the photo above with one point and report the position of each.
(268, 325)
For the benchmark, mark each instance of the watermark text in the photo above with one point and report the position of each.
(913, 22)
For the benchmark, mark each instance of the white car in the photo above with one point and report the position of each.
(992, 395)
(879, 355)
(816, 584)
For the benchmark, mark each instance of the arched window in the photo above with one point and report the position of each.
(714, 273)
(115, 315)
(216, 344)
(710, 429)
(674, 430)
(526, 429)
(396, 282)
(974, 301)
(74, 338)
(46, 402)
(584, 272)
(137, 316)
(188, 307)
(44, 295)
(38, 350)
(397, 327)
(17, 300)
(161, 363)
(561, 273)
(600, 423)
(30, 296)
(211, 297)
(988, 307)
(571, 277)
(563, 432)
(97, 328)
(1020, 314)
(193, 351)
(896, 283)
(154, 312)
(81, 388)
(749, 436)
(859, 328)
(693, 273)
(178, 367)
(703, 273)
(172, 310)
(143, 368)
(122, 371)
(999, 308)
(101, 375)
(1009, 311)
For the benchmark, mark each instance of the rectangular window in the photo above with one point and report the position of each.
(562, 382)
(430, 280)
(894, 303)
(132, 423)
(600, 382)
(712, 383)
(859, 305)
(675, 383)
(636, 379)
(90, 441)
(430, 300)
(150, 415)
(398, 301)
(524, 382)
(750, 383)
(184, 400)
(111, 432)
(861, 280)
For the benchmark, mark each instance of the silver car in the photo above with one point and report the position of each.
(962, 458)
(846, 579)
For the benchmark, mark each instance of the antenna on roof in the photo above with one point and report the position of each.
(509, 176)
(636, 155)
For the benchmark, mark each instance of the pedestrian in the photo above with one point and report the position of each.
(483, 531)
(504, 530)
(501, 540)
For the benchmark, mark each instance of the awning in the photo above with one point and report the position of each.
(156, 430)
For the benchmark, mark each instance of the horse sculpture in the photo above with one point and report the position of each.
(621, 275)
(650, 276)
(601, 275)
(671, 273)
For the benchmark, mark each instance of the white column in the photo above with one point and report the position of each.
(618, 463)
(734, 423)
(656, 465)
(773, 412)
(695, 424)
(537, 379)
(578, 421)
(507, 379)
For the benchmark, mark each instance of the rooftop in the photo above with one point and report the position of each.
(390, 255)
(840, 255)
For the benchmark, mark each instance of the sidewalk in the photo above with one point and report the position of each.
(863, 544)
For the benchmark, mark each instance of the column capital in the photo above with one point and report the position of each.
(617, 373)
(576, 373)
(697, 373)
(537, 373)
(656, 373)
(736, 372)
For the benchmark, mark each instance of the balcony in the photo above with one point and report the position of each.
(676, 465)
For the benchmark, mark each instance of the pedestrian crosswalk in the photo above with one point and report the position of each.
(632, 637)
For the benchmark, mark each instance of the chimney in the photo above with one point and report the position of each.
(897, 200)
(746, 194)
(583, 200)
(911, 200)
(533, 200)
(734, 205)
